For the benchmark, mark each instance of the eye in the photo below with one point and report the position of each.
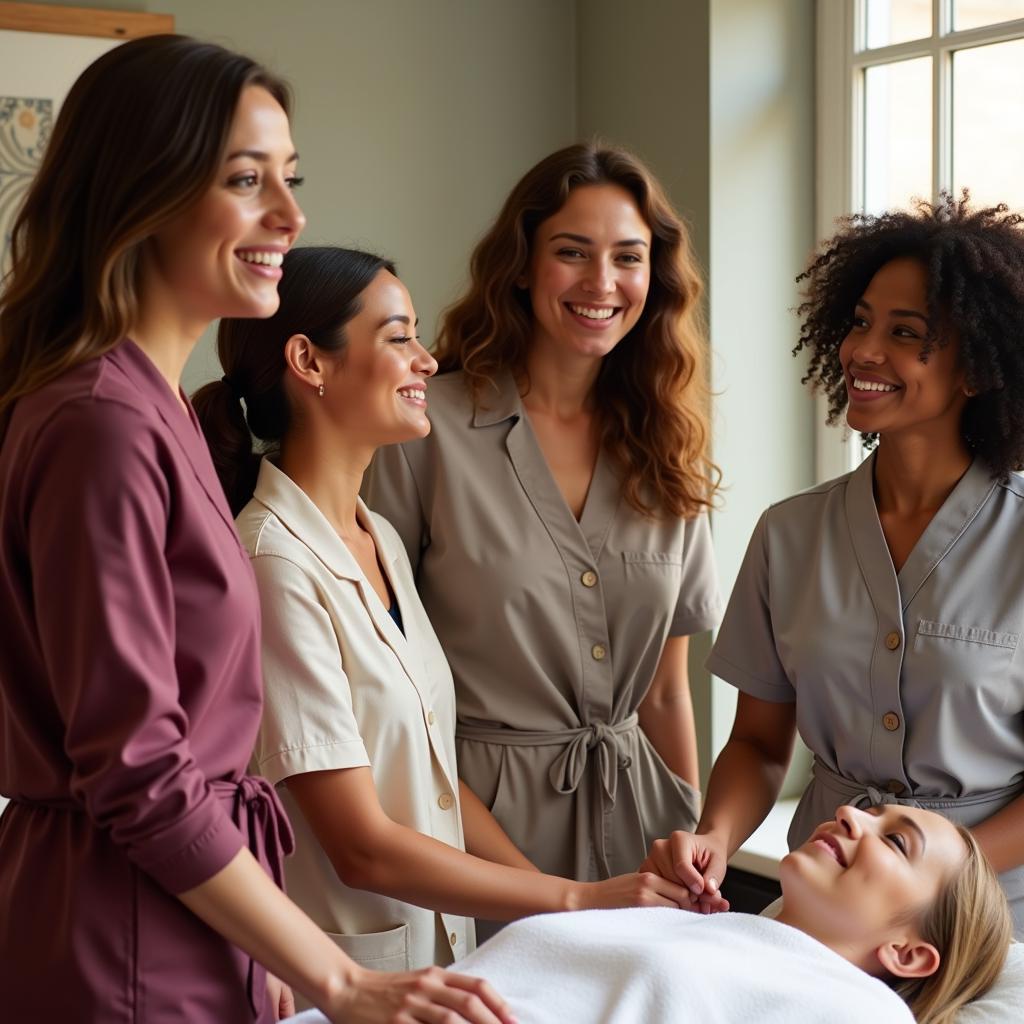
(906, 333)
(570, 253)
(401, 339)
(898, 841)
(247, 180)
(860, 323)
(294, 181)
(630, 257)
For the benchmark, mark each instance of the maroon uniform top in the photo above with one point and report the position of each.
(130, 696)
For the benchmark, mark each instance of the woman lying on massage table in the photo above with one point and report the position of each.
(878, 904)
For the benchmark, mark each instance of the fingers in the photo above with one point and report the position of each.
(668, 893)
(447, 998)
(685, 852)
(286, 1002)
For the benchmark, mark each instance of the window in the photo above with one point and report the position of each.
(914, 96)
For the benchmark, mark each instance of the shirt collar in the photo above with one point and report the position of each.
(500, 401)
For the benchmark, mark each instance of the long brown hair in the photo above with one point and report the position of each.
(652, 390)
(138, 140)
(969, 924)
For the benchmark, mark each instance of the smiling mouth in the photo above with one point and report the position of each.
(261, 257)
(596, 313)
(831, 845)
(414, 394)
(872, 385)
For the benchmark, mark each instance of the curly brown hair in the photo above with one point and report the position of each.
(974, 260)
(652, 389)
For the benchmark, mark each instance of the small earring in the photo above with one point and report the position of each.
(320, 391)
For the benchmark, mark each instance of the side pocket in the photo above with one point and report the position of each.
(377, 951)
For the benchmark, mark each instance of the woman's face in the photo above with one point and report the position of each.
(376, 391)
(890, 390)
(222, 257)
(866, 872)
(589, 272)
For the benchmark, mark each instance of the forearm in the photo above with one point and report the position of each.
(668, 723)
(485, 838)
(247, 908)
(406, 865)
(743, 787)
(1001, 837)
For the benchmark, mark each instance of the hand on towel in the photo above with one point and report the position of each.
(697, 862)
(419, 997)
(638, 889)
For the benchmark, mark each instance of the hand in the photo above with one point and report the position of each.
(418, 997)
(280, 997)
(696, 861)
(639, 889)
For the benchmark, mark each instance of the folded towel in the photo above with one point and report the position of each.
(660, 966)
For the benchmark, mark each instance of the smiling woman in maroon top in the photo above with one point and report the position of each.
(135, 853)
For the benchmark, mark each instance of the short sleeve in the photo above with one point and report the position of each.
(96, 514)
(308, 720)
(389, 487)
(744, 653)
(700, 606)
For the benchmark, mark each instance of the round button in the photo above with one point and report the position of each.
(895, 787)
(589, 578)
(431, 718)
(891, 721)
(892, 640)
(453, 938)
(599, 651)
(446, 801)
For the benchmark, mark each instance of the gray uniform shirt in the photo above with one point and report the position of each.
(553, 628)
(909, 687)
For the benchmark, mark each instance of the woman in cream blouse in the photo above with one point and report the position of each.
(359, 720)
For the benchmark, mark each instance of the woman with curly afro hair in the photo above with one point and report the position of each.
(882, 612)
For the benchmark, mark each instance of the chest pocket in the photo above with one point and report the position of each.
(653, 579)
(971, 664)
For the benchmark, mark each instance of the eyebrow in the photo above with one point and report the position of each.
(397, 318)
(583, 240)
(258, 154)
(894, 312)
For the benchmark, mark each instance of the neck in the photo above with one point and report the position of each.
(560, 384)
(328, 469)
(861, 955)
(914, 475)
(168, 341)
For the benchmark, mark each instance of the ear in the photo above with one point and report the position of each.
(911, 958)
(300, 356)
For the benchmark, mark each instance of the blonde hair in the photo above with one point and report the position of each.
(969, 924)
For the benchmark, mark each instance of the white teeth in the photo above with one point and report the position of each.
(415, 393)
(872, 385)
(266, 259)
(593, 314)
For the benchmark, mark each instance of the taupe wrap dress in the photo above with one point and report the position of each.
(909, 686)
(553, 628)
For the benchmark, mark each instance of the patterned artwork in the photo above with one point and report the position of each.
(25, 125)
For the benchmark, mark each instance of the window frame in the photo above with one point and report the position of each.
(841, 58)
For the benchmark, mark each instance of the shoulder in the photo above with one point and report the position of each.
(1013, 487)
(806, 509)
(273, 548)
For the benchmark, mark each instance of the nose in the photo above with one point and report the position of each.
(424, 362)
(851, 820)
(866, 348)
(284, 214)
(599, 279)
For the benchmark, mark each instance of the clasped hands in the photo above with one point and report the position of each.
(697, 862)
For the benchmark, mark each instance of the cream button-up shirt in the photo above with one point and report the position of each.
(345, 689)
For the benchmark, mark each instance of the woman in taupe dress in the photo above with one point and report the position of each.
(556, 514)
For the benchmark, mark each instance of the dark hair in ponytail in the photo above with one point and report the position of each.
(319, 294)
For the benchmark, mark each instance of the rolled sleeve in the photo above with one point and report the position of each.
(744, 653)
(308, 720)
(97, 502)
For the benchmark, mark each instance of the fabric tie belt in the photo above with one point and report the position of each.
(258, 815)
(969, 809)
(568, 768)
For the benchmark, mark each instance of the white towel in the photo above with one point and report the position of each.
(660, 966)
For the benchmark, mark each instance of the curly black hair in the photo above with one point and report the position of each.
(975, 265)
